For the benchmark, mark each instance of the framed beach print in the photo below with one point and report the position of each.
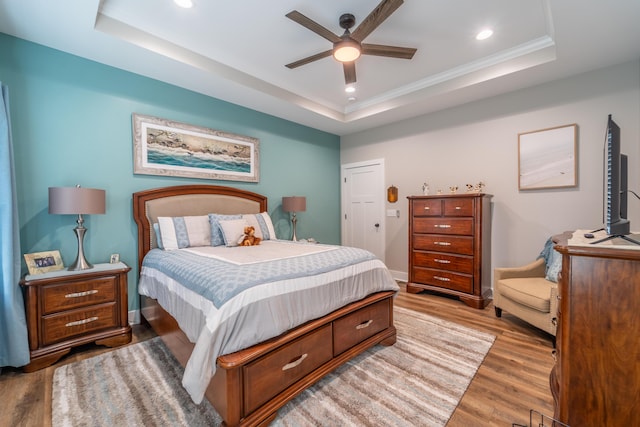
(43, 262)
(164, 147)
(547, 158)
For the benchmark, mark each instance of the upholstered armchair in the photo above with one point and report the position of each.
(528, 293)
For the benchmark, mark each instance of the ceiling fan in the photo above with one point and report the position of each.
(348, 47)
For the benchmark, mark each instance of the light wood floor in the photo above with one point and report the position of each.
(513, 378)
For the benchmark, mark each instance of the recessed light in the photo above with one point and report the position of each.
(484, 34)
(352, 99)
(350, 89)
(187, 4)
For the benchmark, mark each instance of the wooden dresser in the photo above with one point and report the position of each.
(68, 308)
(596, 378)
(450, 246)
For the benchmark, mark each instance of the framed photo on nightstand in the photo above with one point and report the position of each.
(43, 262)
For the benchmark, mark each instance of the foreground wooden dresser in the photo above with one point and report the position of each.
(596, 379)
(68, 308)
(450, 246)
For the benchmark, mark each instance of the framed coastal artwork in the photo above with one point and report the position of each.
(164, 147)
(547, 158)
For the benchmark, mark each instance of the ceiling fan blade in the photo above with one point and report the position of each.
(309, 59)
(349, 72)
(390, 51)
(296, 16)
(375, 18)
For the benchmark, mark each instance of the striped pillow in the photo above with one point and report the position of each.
(184, 231)
(263, 225)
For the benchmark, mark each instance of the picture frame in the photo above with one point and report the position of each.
(114, 259)
(43, 262)
(169, 148)
(547, 158)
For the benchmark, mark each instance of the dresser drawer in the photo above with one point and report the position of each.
(443, 279)
(460, 226)
(276, 371)
(357, 327)
(77, 294)
(58, 327)
(458, 207)
(460, 264)
(442, 243)
(429, 207)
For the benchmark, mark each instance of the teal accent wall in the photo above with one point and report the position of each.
(71, 121)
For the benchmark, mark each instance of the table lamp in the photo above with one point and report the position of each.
(77, 201)
(294, 204)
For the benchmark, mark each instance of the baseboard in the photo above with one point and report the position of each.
(134, 317)
(401, 276)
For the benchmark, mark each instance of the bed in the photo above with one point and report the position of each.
(249, 384)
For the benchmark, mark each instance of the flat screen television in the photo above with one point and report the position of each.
(615, 173)
(614, 222)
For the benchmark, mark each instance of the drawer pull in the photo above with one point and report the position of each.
(442, 226)
(442, 243)
(554, 354)
(82, 322)
(442, 261)
(81, 294)
(295, 363)
(442, 279)
(426, 208)
(554, 321)
(458, 208)
(365, 324)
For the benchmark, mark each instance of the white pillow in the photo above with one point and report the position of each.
(217, 239)
(184, 231)
(232, 230)
(263, 225)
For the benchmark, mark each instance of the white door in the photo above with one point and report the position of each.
(363, 206)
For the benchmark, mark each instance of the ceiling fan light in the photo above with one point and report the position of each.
(346, 51)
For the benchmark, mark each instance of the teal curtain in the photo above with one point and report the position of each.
(14, 347)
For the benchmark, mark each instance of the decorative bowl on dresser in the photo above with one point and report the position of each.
(450, 246)
(68, 308)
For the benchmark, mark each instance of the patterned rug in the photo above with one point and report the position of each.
(417, 381)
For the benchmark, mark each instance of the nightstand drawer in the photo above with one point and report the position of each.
(59, 327)
(77, 294)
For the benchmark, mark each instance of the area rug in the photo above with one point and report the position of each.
(417, 381)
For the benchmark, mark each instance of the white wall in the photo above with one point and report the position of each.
(479, 142)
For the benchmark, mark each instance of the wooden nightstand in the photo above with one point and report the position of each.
(69, 308)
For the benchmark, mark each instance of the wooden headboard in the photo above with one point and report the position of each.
(188, 200)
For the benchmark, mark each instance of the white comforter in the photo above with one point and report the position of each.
(262, 311)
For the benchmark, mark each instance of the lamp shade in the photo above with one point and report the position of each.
(294, 204)
(76, 200)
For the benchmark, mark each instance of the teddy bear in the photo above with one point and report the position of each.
(249, 238)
